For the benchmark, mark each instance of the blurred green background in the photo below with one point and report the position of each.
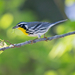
(56, 57)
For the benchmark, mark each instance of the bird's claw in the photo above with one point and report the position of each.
(33, 40)
(46, 38)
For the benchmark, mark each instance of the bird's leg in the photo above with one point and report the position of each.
(39, 36)
(45, 37)
(33, 40)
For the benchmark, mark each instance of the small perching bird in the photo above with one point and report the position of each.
(35, 28)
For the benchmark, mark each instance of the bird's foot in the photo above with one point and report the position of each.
(45, 37)
(33, 40)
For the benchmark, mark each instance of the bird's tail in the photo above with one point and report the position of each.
(58, 22)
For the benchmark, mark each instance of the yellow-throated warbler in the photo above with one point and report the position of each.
(35, 28)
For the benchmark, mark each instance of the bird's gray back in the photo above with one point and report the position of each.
(38, 24)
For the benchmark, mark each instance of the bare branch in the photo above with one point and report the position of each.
(37, 40)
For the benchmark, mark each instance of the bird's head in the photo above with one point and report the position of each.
(22, 25)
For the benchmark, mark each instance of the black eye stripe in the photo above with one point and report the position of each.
(23, 26)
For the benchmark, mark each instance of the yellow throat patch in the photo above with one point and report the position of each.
(23, 30)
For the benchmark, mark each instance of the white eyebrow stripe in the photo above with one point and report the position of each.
(22, 23)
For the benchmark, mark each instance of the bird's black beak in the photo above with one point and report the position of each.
(15, 27)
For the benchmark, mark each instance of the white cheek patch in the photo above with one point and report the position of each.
(26, 26)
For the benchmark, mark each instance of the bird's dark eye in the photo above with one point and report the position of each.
(24, 26)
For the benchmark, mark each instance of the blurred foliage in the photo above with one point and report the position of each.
(69, 2)
(2, 44)
(56, 57)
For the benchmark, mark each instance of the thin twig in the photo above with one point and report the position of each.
(37, 40)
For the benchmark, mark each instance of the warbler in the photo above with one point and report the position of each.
(35, 28)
